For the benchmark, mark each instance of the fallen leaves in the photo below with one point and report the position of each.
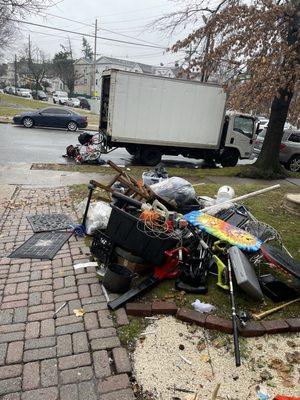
(79, 312)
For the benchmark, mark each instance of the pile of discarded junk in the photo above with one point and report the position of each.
(88, 150)
(159, 226)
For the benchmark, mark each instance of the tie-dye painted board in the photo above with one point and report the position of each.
(223, 231)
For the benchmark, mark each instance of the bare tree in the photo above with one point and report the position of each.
(17, 9)
(260, 40)
(34, 66)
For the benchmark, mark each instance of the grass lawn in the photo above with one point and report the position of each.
(266, 208)
(11, 105)
(194, 175)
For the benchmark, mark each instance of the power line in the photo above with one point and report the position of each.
(67, 37)
(87, 35)
(103, 29)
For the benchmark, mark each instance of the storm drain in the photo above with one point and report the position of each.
(49, 222)
(42, 245)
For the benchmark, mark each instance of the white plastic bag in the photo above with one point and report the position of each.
(98, 215)
(203, 307)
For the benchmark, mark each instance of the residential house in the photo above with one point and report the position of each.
(54, 83)
(84, 69)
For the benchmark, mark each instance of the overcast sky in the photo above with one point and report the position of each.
(127, 17)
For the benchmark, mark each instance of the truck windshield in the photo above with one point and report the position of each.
(244, 125)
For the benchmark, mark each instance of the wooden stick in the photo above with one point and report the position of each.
(263, 314)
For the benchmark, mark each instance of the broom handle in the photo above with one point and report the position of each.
(245, 196)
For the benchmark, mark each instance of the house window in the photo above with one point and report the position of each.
(96, 81)
(85, 81)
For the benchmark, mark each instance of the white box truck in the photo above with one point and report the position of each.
(152, 115)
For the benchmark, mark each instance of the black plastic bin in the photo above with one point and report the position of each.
(122, 230)
(117, 278)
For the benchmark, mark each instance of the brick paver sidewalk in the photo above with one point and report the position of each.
(41, 358)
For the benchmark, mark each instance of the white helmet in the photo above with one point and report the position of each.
(225, 193)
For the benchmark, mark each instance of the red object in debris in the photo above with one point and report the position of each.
(170, 268)
(278, 397)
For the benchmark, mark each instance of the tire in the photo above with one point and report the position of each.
(130, 150)
(294, 164)
(27, 122)
(54, 102)
(72, 126)
(150, 156)
(229, 158)
(209, 163)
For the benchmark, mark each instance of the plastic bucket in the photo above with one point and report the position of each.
(117, 278)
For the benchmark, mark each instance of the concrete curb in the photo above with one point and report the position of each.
(93, 128)
(252, 328)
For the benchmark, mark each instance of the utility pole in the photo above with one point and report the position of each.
(16, 76)
(188, 60)
(29, 56)
(204, 75)
(95, 56)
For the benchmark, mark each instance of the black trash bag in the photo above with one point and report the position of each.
(177, 191)
(84, 138)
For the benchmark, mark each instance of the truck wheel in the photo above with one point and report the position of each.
(130, 150)
(229, 158)
(150, 156)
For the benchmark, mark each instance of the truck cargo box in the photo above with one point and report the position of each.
(139, 108)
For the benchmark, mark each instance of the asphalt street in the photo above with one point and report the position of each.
(21, 145)
(42, 145)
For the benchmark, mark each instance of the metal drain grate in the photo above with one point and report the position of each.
(49, 222)
(42, 245)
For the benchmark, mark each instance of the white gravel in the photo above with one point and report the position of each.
(159, 367)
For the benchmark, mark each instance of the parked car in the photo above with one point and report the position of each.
(10, 90)
(84, 103)
(289, 154)
(52, 117)
(60, 97)
(73, 102)
(26, 93)
(39, 95)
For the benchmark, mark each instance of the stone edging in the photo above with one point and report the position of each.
(252, 328)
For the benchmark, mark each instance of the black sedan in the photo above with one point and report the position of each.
(52, 117)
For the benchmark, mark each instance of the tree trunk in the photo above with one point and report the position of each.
(267, 165)
(268, 159)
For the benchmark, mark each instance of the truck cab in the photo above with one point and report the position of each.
(237, 138)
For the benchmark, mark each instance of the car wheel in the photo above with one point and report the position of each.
(294, 164)
(72, 126)
(28, 122)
